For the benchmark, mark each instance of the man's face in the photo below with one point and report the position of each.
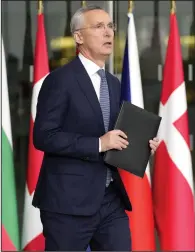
(96, 34)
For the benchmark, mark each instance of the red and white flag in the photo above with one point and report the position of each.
(32, 238)
(173, 192)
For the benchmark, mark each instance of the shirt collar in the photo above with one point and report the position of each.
(89, 65)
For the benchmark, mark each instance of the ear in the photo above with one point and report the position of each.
(78, 38)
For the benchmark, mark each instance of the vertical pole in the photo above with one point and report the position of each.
(111, 57)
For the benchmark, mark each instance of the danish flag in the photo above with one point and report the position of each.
(173, 194)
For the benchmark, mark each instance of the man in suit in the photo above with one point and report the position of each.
(82, 200)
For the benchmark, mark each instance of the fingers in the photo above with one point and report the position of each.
(121, 133)
(154, 144)
(152, 152)
(151, 142)
(120, 146)
(123, 141)
(153, 147)
(120, 140)
(123, 145)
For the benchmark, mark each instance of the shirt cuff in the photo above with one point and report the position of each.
(99, 145)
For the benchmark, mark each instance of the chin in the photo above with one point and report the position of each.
(107, 53)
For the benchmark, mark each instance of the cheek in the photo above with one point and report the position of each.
(95, 42)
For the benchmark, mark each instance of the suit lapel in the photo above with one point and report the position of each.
(88, 89)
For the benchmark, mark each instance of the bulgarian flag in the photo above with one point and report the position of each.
(9, 226)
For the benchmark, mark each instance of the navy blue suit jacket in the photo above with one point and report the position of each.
(67, 128)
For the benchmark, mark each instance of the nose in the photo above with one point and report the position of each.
(107, 31)
(107, 34)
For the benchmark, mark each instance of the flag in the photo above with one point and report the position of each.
(32, 237)
(138, 189)
(9, 227)
(173, 194)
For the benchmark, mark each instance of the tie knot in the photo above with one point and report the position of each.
(101, 73)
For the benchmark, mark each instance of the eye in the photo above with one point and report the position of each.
(99, 26)
(112, 26)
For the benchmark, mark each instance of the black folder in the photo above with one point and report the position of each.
(140, 126)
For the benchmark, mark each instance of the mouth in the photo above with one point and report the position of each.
(108, 43)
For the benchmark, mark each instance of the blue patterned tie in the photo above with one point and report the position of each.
(105, 107)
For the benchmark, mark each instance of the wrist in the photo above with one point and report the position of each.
(102, 147)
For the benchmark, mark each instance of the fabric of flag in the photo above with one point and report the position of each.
(173, 193)
(9, 227)
(138, 189)
(32, 237)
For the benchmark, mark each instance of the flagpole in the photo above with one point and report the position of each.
(111, 57)
(84, 4)
(40, 6)
(130, 6)
(173, 6)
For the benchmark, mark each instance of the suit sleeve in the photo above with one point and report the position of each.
(48, 135)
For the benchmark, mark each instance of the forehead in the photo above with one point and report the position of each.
(96, 16)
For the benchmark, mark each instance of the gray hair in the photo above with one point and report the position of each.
(77, 18)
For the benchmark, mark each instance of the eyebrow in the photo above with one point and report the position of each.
(103, 23)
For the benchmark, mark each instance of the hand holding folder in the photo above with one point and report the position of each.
(140, 126)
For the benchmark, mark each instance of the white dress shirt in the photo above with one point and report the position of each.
(92, 69)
